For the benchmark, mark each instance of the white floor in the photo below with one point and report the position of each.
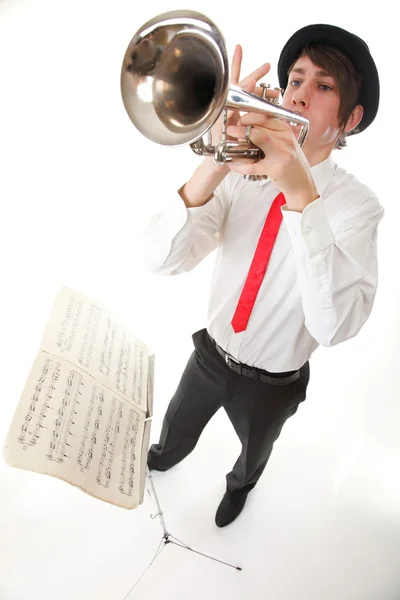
(322, 524)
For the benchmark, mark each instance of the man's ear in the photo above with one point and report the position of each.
(354, 119)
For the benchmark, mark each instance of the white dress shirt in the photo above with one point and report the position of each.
(321, 279)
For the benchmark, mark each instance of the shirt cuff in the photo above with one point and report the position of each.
(309, 230)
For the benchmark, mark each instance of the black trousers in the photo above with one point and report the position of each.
(256, 409)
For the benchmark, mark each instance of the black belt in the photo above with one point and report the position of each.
(255, 373)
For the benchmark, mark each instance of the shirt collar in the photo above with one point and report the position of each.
(322, 173)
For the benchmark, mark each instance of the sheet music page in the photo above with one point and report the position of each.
(146, 434)
(150, 385)
(145, 450)
(84, 332)
(69, 426)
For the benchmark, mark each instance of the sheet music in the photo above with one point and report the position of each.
(145, 450)
(150, 385)
(146, 434)
(83, 332)
(69, 426)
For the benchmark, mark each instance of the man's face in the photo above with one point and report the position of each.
(314, 94)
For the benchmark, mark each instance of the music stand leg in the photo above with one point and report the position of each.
(167, 537)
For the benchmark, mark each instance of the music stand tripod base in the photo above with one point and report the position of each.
(167, 538)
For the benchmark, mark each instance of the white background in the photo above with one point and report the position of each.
(77, 185)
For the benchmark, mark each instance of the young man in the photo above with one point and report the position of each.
(279, 289)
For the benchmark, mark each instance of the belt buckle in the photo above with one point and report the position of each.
(229, 357)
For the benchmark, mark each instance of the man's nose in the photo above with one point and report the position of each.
(301, 97)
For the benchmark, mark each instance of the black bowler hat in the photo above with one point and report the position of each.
(348, 43)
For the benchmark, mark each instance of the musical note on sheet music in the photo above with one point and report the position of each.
(84, 333)
(70, 426)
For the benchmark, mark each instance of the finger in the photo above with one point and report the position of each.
(239, 132)
(264, 120)
(270, 93)
(259, 137)
(249, 86)
(236, 64)
(257, 74)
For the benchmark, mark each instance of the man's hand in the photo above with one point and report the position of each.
(248, 84)
(200, 187)
(285, 163)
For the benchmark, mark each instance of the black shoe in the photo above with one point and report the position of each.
(154, 467)
(151, 467)
(230, 507)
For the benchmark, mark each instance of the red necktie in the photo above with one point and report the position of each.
(259, 265)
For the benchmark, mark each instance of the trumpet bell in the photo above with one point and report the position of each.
(175, 77)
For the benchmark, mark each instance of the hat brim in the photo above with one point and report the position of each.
(351, 45)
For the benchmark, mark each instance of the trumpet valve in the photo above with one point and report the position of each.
(265, 87)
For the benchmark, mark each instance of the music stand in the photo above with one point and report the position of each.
(167, 538)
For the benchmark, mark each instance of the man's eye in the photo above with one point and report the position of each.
(295, 82)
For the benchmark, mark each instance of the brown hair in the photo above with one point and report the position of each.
(348, 81)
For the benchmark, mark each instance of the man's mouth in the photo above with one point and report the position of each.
(292, 123)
